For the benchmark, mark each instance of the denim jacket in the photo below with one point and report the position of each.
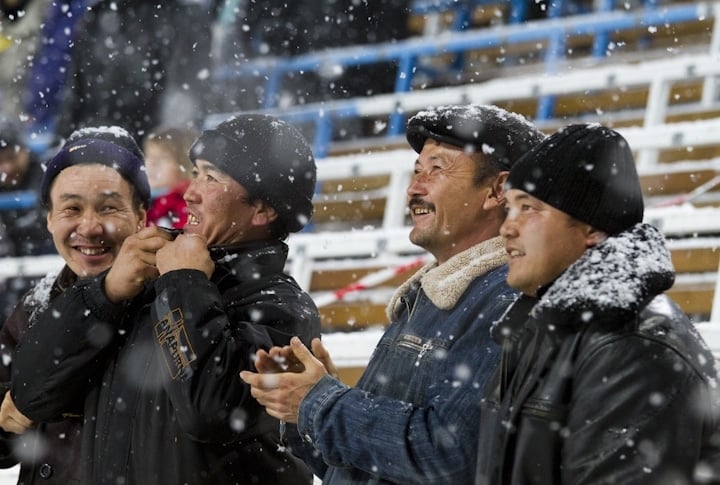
(413, 417)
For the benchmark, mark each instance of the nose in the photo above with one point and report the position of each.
(191, 193)
(90, 225)
(508, 228)
(417, 186)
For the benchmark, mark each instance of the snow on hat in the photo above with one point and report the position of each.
(497, 133)
(105, 145)
(587, 171)
(269, 158)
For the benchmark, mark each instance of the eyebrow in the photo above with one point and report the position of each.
(431, 158)
(209, 167)
(519, 197)
(102, 195)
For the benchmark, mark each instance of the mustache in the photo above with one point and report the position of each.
(77, 240)
(415, 202)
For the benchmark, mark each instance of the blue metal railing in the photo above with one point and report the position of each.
(407, 54)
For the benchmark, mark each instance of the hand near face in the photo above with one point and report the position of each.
(187, 251)
(135, 264)
(12, 420)
(282, 392)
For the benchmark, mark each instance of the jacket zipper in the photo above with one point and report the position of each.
(422, 349)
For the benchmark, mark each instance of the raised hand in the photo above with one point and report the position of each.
(281, 393)
(187, 251)
(135, 264)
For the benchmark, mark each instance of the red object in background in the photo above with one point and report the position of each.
(169, 209)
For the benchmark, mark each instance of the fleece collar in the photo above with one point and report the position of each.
(444, 284)
(618, 275)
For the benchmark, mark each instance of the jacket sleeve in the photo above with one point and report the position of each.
(636, 415)
(204, 346)
(8, 342)
(64, 353)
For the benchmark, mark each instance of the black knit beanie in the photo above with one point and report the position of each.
(487, 129)
(587, 171)
(269, 158)
(112, 146)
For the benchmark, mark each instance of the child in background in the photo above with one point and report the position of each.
(168, 170)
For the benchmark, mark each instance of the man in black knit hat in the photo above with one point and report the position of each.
(154, 345)
(603, 379)
(413, 416)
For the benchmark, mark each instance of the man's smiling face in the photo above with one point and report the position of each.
(91, 213)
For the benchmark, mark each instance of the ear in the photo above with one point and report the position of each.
(594, 236)
(48, 222)
(263, 214)
(496, 195)
(142, 218)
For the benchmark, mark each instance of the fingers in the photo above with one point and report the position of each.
(135, 264)
(187, 251)
(261, 381)
(324, 357)
(267, 364)
(302, 353)
(277, 393)
(11, 419)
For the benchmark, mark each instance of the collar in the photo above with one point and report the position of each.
(444, 284)
(621, 274)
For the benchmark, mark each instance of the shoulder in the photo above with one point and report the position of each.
(661, 334)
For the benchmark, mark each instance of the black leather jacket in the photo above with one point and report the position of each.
(602, 381)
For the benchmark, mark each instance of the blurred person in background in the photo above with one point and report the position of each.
(97, 200)
(138, 64)
(20, 25)
(251, 30)
(22, 221)
(168, 168)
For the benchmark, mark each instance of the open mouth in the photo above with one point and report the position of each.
(515, 253)
(420, 211)
(192, 220)
(94, 251)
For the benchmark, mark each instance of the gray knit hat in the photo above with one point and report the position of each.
(587, 171)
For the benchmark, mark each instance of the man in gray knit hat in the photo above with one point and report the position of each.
(154, 346)
(414, 414)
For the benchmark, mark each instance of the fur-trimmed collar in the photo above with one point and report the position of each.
(444, 284)
(620, 274)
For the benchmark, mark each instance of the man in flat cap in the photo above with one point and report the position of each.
(414, 414)
(154, 345)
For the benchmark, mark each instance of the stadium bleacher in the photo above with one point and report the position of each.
(649, 69)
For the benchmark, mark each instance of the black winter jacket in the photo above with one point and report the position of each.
(602, 380)
(163, 401)
(48, 453)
